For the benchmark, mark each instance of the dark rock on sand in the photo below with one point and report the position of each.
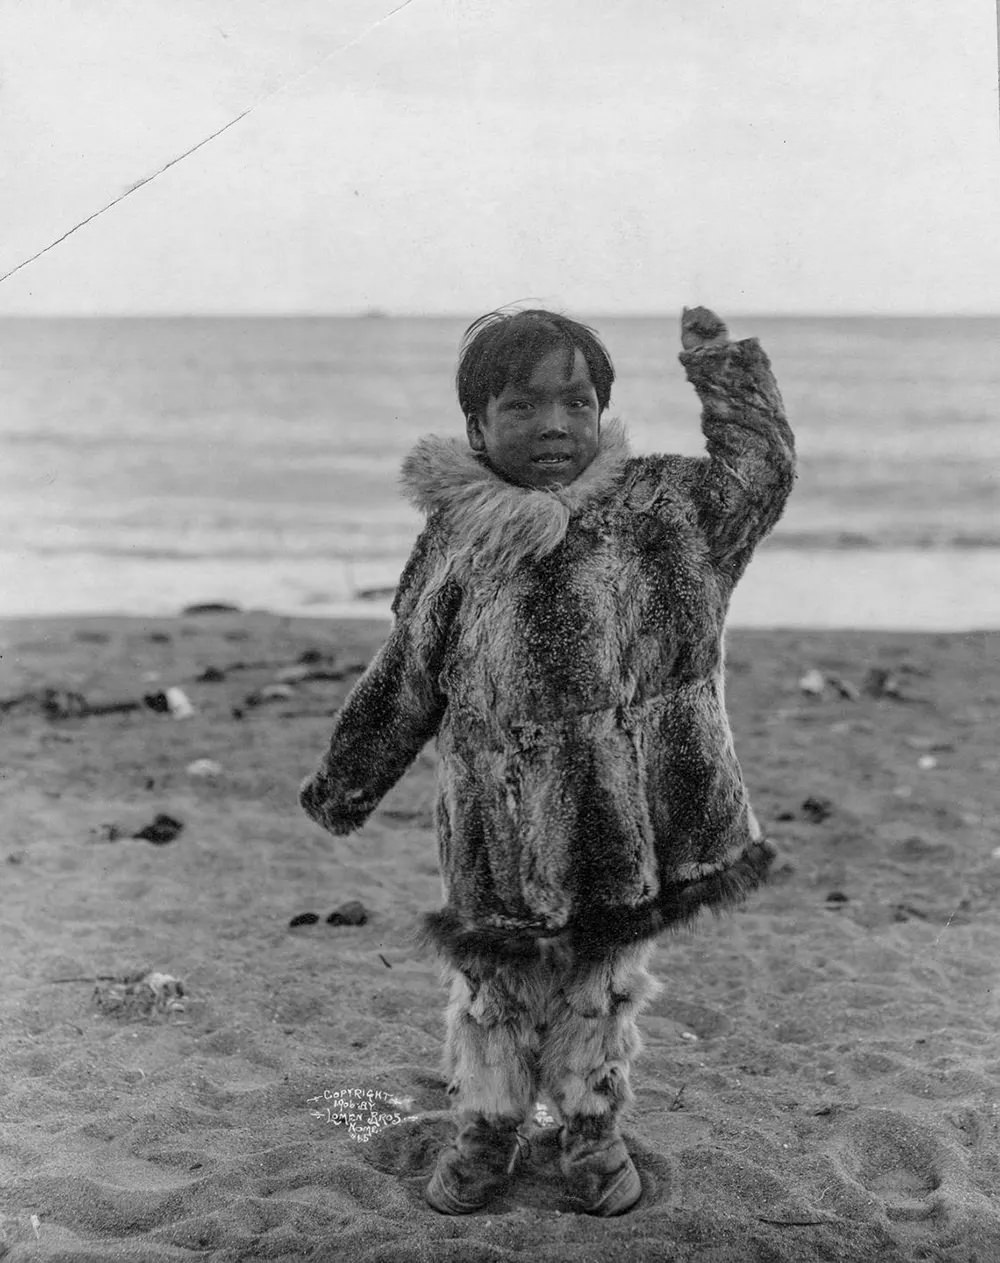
(310, 657)
(844, 687)
(881, 683)
(817, 809)
(352, 913)
(163, 829)
(270, 693)
(906, 911)
(303, 918)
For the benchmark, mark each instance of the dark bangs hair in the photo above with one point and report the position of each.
(503, 347)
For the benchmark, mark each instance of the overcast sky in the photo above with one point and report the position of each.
(602, 156)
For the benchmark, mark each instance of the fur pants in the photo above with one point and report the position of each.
(554, 1029)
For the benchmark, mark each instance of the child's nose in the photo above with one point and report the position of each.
(554, 422)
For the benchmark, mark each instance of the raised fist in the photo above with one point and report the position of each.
(700, 328)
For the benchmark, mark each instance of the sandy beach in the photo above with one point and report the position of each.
(184, 1074)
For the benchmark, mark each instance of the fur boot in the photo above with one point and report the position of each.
(476, 1165)
(601, 1178)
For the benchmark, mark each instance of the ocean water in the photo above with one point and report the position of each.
(151, 463)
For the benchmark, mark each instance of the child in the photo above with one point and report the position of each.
(559, 627)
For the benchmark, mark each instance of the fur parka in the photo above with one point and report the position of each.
(565, 646)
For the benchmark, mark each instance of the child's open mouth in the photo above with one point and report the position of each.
(550, 460)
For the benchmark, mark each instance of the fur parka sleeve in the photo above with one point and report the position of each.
(743, 485)
(395, 707)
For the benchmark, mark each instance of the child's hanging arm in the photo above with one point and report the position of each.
(744, 483)
(395, 707)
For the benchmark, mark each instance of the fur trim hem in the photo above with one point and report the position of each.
(481, 950)
(498, 523)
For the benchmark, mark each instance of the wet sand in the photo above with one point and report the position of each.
(820, 1075)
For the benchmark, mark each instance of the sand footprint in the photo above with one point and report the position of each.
(902, 1163)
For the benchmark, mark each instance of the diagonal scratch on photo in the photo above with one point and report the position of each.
(499, 632)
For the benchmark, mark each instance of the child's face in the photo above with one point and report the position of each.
(552, 415)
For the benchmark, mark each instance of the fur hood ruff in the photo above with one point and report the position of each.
(496, 524)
